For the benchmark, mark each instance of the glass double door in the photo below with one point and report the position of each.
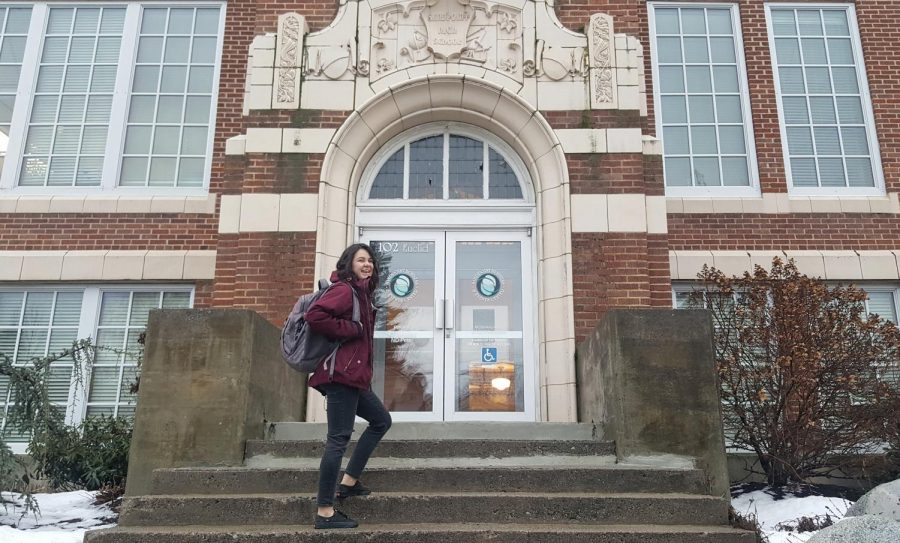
(454, 337)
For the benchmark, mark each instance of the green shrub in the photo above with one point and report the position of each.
(91, 456)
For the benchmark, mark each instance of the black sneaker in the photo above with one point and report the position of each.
(357, 489)
(338, 520)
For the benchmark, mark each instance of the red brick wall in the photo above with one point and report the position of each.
(264, 272)
(106, 231)
(836, 231)
(616, 270)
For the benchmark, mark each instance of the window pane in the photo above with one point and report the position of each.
(426, 168)
(466, 168)
(674, 109)
(859, 172)
(388, 183)
(667, 21)
(703, 140)
(701, 109)
(700, 91)
(734, 172)
(803, 172)
(669, 50)
(800, 140)
(732, 140)
(190, 172)
(675, 140)
(822, 110)
(503, 182)
(824, 96)
(706, 172)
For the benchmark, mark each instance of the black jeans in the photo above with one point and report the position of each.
(344, 404)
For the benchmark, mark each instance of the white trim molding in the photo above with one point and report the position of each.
(204, 205)
(107, 265)
(832, 265)
(783, 203)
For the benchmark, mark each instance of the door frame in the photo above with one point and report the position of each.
(529, 327)
(444, 397)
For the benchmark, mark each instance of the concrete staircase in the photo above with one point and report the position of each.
(435, 482)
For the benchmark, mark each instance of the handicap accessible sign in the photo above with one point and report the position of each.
(489, 355)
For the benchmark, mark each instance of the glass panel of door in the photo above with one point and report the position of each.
(451, 337)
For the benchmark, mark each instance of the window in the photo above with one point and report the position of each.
(883, 301)
(446, 166)
(14, 23)
(701, 95)
(826, 118)
(118, 95)
(36, 322)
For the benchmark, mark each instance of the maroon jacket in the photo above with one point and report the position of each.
(332, 316)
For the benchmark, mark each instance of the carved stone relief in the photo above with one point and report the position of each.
(602, 60)
(288, 56)
(428, 31)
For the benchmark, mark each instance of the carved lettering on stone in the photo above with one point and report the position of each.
(466, 31)
(447, 24)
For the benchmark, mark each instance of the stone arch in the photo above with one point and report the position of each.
(486, 105)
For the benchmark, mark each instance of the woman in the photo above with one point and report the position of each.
(348, 390)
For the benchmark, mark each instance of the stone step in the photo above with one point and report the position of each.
(434, 533)
(406, 431)
(449, 507)
(430, 448)
(520, 477)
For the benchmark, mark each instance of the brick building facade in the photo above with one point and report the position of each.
(235, 148)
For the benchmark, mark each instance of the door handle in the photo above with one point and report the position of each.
(439, 313)
(448, 314)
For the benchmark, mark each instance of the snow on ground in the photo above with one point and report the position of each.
(777, 512)
(64, 518)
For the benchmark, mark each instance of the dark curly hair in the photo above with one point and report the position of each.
(344, 265)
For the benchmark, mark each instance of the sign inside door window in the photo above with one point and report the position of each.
(402, 285)
(488, 284)
(388, 247)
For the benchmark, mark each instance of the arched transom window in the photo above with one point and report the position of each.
(446, 166)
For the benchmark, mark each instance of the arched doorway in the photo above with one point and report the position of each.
(449, 211)
(508, 119)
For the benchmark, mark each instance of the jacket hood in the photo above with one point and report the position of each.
(363, 285)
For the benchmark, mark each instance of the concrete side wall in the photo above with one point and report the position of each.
(211, 380)
(648, 377)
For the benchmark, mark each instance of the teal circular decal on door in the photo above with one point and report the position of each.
(488, 285)
(402, 285)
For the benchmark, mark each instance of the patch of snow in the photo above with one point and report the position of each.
(63, 518)
(775, 515)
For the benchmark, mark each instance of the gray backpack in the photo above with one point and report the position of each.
(302, 348)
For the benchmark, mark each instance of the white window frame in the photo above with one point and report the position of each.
(753, 190)
(118, 113)
(76, 407)
(865, 97)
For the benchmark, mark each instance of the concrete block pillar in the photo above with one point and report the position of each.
(648, 377)
(211, 380)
